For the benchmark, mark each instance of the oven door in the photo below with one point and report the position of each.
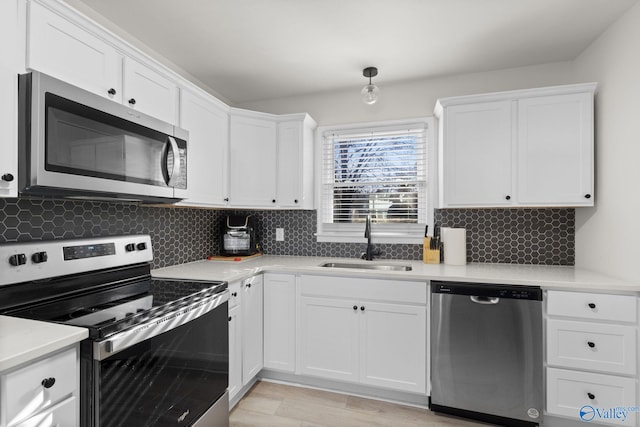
(166, 372)
(76, 143)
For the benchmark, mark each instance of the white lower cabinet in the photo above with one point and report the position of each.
(280, 322)
(592, 352)
(581, 395)
(235, 351)
(350, 330)
(43, 393)
(245, 333)
(328, 337)
(393, 346)
(252, 328)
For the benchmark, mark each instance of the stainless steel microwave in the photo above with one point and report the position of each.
(76, 144)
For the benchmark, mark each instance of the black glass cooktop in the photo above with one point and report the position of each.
(105, 303)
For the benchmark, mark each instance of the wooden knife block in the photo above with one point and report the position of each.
(430, 256)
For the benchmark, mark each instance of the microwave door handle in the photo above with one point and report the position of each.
(175, 173)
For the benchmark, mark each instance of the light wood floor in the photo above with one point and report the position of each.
(277, 405)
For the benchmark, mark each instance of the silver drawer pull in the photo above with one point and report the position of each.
(591, 344)
(592, 306)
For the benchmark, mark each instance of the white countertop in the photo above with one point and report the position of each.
(547, 277)
(22, 340)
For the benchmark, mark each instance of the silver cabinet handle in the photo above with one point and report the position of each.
(484, 300)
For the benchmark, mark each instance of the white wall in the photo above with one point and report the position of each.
(411, 99)
(607, 235)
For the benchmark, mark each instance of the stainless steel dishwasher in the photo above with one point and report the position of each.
(486, 352)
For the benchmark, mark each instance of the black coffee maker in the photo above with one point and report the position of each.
(239, 235)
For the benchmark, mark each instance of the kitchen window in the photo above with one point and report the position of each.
(380, 170)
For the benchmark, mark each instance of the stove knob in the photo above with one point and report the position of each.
(141, 246)
(18, 259)
(39, 257)
(130, 247)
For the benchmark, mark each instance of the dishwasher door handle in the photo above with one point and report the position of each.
(484, 300)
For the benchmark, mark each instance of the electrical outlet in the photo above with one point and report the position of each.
(279, 234)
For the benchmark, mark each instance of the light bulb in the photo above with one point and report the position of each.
(370, 94)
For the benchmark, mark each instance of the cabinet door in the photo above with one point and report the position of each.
(477, 155)
(8, 100)
(555, 150)
(252, 338)
(64, 50)
(290, 164)
(235, 351)
(149, 92)
(28, 396)
(207, 155)
(252, 166)
(328, 338)
(394, 345)
(279, 321)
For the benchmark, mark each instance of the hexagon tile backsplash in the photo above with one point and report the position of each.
(179, 235)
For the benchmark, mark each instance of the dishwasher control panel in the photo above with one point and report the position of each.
(488, 290)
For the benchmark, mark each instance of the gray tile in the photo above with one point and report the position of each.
(179, 235)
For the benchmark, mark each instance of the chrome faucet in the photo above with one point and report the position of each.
(371, 251)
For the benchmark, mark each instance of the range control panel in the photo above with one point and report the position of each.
(43, 260)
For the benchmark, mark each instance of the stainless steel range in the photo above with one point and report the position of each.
(158, 350)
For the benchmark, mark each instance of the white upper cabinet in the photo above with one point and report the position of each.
(9, 91)
(252, 161)
(478, 154)
(66, 51)
(295, 163)
(59, 46)
(555, 150)
(207, 159)
(147, 91)
(271, 160)
(520, 148)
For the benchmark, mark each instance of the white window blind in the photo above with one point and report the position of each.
(376, 172)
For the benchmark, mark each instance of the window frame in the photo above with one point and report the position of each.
(380, 233)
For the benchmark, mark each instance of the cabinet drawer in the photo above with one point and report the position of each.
(234, 294)
(63, 414)
(569, 392)
(384, 290)
(27, 390)
(620, 308)
(592, 346)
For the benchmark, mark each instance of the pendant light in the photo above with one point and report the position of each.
(370, 92)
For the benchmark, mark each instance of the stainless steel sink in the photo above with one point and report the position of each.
(387, 267)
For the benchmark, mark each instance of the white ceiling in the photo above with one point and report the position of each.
(249, 50)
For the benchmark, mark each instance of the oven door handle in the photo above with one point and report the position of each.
(156, 326)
